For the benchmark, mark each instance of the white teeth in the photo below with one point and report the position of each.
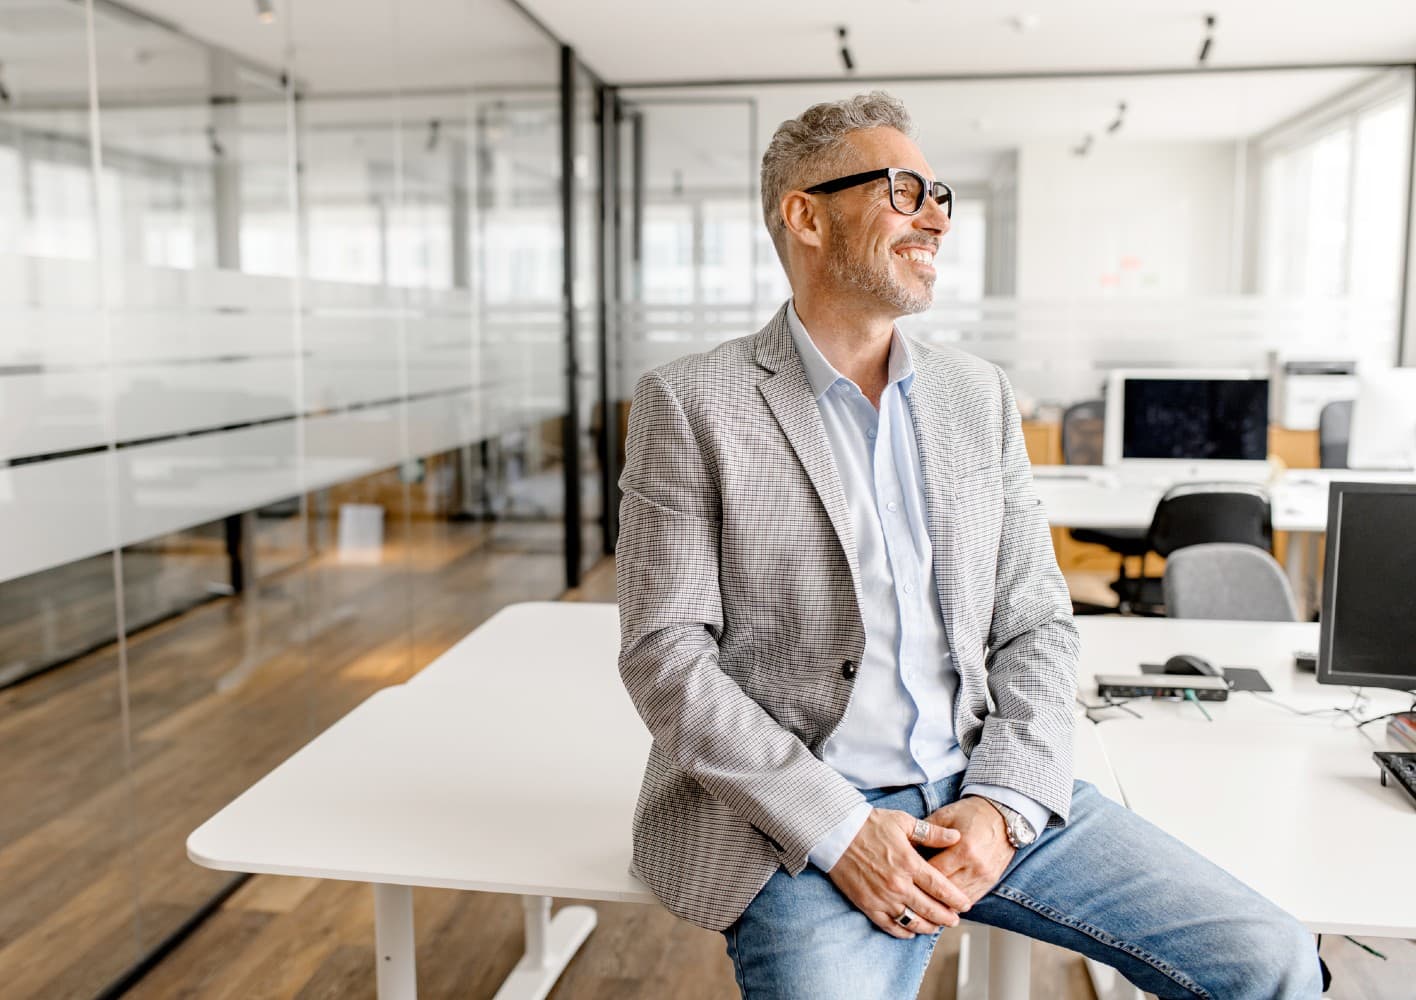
(923, 256)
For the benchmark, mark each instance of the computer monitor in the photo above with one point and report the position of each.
(1383, 434)
(1189, 416)
(1368, 630)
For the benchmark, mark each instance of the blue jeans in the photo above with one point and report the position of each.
(1108, 885)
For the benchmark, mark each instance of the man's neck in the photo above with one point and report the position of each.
(855, 339)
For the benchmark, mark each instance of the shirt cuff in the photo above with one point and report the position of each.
(828, 849)
(1036, 815)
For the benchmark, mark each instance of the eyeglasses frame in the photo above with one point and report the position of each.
(942, 193)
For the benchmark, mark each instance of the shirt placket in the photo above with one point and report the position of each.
(894, 523)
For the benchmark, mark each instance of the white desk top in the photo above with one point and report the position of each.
(1293, 808)
(1290, 804)
(1107, 499)
(510, 764)
(516, 785)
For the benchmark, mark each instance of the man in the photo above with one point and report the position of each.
(844, 625)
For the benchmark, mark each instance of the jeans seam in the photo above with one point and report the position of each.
(923, 969)
(1095, 933)
(737, 965)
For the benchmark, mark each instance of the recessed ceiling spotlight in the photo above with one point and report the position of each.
(1120, 118)
(846, 59)
(265, 11)
(1023, 23)
(1210, 21)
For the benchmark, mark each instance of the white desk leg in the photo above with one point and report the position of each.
(550, 945)
(393, 942)
(994, 964)
(972, 983)
(1110, 984)
(1009, 965)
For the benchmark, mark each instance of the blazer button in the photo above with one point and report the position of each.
(848, 670)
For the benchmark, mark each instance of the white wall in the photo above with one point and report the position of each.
(1152, 219)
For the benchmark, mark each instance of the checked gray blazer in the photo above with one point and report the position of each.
(741, 630)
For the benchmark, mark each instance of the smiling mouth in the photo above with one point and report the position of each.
(917, 255)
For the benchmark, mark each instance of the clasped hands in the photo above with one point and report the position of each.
(882, 873)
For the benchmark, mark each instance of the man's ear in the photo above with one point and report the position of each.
(803, 221)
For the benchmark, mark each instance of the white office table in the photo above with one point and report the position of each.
(510, 764)
(1291, 805)
(1115, 499)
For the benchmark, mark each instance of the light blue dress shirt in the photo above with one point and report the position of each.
(899, 728)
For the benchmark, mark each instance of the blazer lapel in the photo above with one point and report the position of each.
(932, 412)
(789, 396)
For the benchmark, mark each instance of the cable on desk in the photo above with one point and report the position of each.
(1110, 703)
(1190, 696)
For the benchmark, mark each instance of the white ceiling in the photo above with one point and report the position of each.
(963, 125)
(642, 40)
(370, 44)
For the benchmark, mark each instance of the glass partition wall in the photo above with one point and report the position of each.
(1236, 219)
(284, 387)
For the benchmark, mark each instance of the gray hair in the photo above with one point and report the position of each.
(813, 143)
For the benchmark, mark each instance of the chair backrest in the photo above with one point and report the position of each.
(1223, 580)
(1082, 432)
(1334, 431)
(1196, 513)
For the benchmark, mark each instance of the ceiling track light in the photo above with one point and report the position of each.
(1120, 117)
(1210, 21)
(265, 11)
(213, 143)
(846, 59)
(434, 130)
(1084, 148)
(4, 91)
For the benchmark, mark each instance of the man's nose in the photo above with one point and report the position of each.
(933, 217)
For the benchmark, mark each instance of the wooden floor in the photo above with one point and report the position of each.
(296, 938)
(93, 870)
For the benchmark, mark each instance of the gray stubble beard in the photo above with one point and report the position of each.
(872, 277)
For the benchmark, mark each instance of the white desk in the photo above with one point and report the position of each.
(1106, 499)
(449, 781)
(1290, 804)
(507, 766)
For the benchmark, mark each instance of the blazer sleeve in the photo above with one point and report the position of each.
(1026, 742)
(671, 618)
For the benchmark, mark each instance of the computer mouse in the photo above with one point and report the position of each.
(1189, 663)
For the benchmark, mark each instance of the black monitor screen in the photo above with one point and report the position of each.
(1195, 418)
(1369, 586)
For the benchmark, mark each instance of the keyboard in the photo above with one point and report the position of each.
(1402, 768)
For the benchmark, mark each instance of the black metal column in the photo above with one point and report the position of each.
(570, 427)
(609, 324)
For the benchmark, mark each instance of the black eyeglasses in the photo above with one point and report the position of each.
(908, 189)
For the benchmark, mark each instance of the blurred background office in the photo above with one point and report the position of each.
(318, 323)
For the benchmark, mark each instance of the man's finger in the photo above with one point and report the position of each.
(933, 881)
(928, 834)
(888, 925)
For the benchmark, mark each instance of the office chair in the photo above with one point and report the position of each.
(1222, 580)
(1334, 431)
(1083, 427)
(1195, 514)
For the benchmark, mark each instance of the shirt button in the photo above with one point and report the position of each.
(870, 433)
(848, 670)
(909, 588)
(892, 506)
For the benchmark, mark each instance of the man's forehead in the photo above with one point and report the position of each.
(887, 147)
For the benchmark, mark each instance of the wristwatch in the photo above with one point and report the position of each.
(1020, 831)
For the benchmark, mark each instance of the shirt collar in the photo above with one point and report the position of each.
(821, 374)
